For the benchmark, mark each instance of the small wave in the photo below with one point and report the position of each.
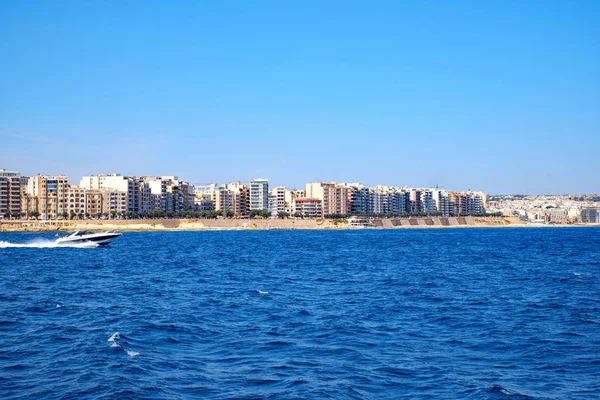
(576, 274)
(113, 339)
(499, 390)
(46, 244)
(261, 292)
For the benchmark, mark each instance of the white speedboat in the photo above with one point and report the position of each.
(100, 238)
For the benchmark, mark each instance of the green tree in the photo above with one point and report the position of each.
(282, 214)
(259, 214)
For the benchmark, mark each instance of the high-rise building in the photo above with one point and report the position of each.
(10, 193)
(259, 194)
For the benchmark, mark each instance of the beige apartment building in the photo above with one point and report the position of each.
(336, 199)
(94, 201)
(76, 201)
(46, 195)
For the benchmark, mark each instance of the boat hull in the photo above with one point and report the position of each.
(101, 240)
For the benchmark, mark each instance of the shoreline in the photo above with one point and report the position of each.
(247, 224)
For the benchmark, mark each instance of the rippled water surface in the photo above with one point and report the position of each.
(449, 313)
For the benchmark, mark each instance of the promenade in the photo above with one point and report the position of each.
(249, 224)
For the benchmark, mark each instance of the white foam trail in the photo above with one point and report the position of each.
(132, 353)
(261, 292)
(113, 339)
(576, 274)
(46, 244)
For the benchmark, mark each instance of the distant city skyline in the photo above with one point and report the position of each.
(497, 97)
(74, 181)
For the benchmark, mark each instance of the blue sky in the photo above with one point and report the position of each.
(499, 96)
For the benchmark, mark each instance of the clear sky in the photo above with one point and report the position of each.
(500, 96)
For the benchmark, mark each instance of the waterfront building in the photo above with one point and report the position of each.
(335, 198)
(466, 203)
(381, 200)
(203, 202)
(143, 194)
(458, 204)
(259, 194)
(241, 198)
(361, 198)
(397, 201)
(165, 193)
(388, 200)
(414, 202)
(277, 201)
(308, 208)
(51, 194)
(475, 202)
(29, 203)
(114, 202)
(221, 198)
(10, 193)
(590, 215)
(110, 183)
(443, 203)
(93, 202)
(430, 201)
(559, 216)
(76, 201)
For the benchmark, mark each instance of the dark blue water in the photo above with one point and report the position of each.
(450, 314)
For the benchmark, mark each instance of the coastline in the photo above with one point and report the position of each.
(266, 224)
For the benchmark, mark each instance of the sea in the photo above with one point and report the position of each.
(477, 313)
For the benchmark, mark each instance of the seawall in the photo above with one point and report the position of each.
(248, 224)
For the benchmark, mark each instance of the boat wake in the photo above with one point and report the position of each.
(46, 244)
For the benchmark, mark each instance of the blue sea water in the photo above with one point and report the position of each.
(367, 314)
